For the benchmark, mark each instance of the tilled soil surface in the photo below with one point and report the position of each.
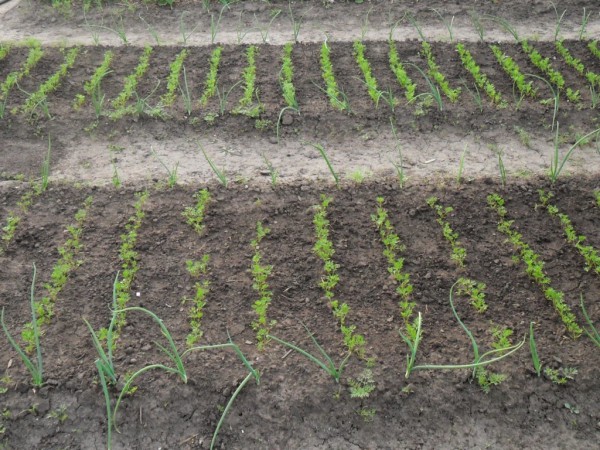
(296, 405)
(459, 153)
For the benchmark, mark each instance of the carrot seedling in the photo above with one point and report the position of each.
(173, 80)
(194, 215)
(286, 77)
(336, 97)
(260, 274)
(210, 85)
(197, 269)
(534, 267)
(323, 248)
(535, 358)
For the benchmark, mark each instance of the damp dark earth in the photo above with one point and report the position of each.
(317, 224)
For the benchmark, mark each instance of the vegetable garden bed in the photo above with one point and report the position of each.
(331, 242)
(296, 404)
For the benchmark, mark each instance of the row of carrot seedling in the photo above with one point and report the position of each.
(411, 331)
(130, 102)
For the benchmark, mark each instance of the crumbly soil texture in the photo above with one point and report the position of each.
(404, 152)
(296, 404)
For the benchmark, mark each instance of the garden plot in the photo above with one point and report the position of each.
(111, 108)
(259, 225)
(370, 305)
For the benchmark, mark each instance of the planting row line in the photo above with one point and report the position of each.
(130, 101)
(324, 249)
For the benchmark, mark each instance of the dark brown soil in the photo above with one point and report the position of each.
(296, 405)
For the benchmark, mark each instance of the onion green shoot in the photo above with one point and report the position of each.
(252, 373)
(434, 91)
(223, 95)
(590, 330)
(104, 363)
(399, 166)
(264, 30)
(220, 173)
(504, 24)
(228, 407)
(321, 150)
(186, 95)
(172, 173)
(118, 30)
(558, 20)
(296, 24)
(476, 20)
(535, 358)
(501, 169)
(326, 364)
(416, 26)
(171, 352)
(273, 173)
(36, 369)
(214, 24)
(479, 360)
(584, 22)
(557, 163)
(448, 24)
